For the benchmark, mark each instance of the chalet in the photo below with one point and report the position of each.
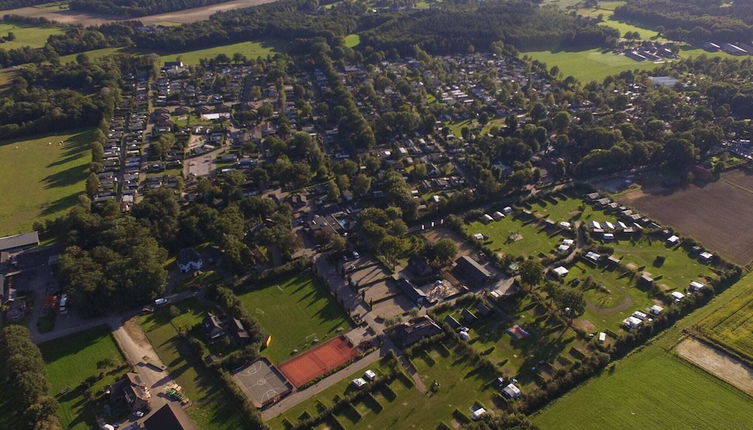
(189, 260)
(169, 417)
(473, 271)
(131, 389)
(416, 329)
(212, 326)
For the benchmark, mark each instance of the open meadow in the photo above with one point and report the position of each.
(26, 35)
(589, 65)
(41, 177)
(298, 313)
(654, 385)
(715, 214)
(515, 237)
(209, 409)
(70, 361)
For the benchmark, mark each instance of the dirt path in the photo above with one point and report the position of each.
(182, 16)
(718, 363)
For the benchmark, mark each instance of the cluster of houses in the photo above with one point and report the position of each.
(740, 48)
(122, 161)
(650, 51)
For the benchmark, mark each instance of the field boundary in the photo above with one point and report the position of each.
(717, 362)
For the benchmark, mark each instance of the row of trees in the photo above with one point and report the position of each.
(24, 381)
(135, 8)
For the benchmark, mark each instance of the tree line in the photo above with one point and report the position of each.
(136, 8)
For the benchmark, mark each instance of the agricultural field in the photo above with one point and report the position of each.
(716, 214)
(515, 237)
(54, 170)
(298, 313)
(70, 361)
(328, 397)
(26, 35)
(654, 385)
(607, 306)
(732, 327)
(209, 409)
(549, 341)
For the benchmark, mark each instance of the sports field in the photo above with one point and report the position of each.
(71, 360)
(298, 313)
(653, 385)
(318, 361)
(52, 173)
(716, 214)
(26, 35)
(589, 65)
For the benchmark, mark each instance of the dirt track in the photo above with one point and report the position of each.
(717, 363)
(717, 214)
(181, 16)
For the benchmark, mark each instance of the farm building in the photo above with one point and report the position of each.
(473, 271)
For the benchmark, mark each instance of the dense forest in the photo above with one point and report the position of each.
(12, 4)
(135, 8)
(693, 20)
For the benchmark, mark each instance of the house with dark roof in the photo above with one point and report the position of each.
(132, 390)
(472, 271)
(169, 417)
(240, 334)
(416, 329)
(212, 327)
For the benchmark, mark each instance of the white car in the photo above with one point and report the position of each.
(359, 382)
(370, 375)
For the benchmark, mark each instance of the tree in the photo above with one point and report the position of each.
(679, 153)
(361, 185)
(92, 185)
(569, 301)
(531, 272)
(333, 191)
(444, 250)
(561, 121)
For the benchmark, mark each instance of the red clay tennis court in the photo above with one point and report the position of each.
(318, 361)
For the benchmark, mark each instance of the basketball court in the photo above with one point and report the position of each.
(262, 383)
(318, 361)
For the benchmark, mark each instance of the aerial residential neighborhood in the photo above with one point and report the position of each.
(361, 215)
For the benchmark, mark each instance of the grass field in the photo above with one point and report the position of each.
(548, 339)
(352, 40)
(567, 208)
(209, 409)
(653, 385)
(53, 176)
(589, 65)
(251, 50)
(26, 35)
(732, 327)
(72, 359)
(294, 312)
(533, 242)
(607, 310)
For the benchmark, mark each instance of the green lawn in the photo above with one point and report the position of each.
(41, 178)
(295, 312)
(607, 310)
(547, 341)
(352, 40)
(72, 359)
(26, 35)
(251, 50)
(327, 397)
(655, 386)
(678, 269)
(533, 241)
(567, 208)
(589, 65)
(460, 386)
(209, 409)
